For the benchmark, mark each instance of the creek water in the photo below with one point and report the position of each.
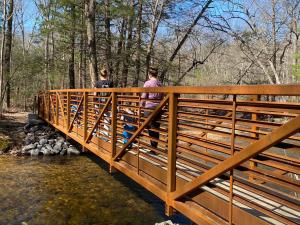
(72, 190)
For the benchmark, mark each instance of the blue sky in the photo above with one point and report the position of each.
(30, 14)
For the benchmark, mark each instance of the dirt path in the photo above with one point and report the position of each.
(11, 130)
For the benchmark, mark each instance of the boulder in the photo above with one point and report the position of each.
(51, 141)
(34, 152)
(47, 146)
(73, 151)
(43, 141)
(45, 151)
(29, 147)
(26, 127)
(57, 148)
(29, 139)
(33, 120)
(34, 129)
(20, 129)
(168, 222)
(60, 139)
(43, 136)
(63, 151)
(66, 145)
(39, 133)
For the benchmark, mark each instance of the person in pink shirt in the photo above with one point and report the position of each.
(148, 104)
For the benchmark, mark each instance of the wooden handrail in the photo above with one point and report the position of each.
(283, 90)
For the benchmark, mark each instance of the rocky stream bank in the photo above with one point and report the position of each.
(34, 138)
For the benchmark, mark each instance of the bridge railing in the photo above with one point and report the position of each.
(225, 155)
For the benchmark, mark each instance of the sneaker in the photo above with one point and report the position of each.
(152, 152)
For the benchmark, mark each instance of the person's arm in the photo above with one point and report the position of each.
(144, 95)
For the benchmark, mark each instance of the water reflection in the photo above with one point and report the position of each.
(71, 190)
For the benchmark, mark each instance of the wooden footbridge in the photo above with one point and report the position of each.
(225, 155)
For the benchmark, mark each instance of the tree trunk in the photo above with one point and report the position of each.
(119, 52)
(90, 6)
(138, 43)
(126, 61)
(7, 56)
(274, 53)
(154, 26)
(46, 48)
(46, 62)
(72, 49)
(2, 89)
(24, 61)
(108, 57)
(186, 35)
(82, 63)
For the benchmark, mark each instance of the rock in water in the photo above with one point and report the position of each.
(66, 145)
(72, 150)
(49, 148)
(60, 139)
(169, 222)
(51, 141)
(57, 148)
(29, 147)
(43, 141)
(45, 151)
(29, 138)
(34, 129)
(34, 152)
(63, 151)
(33, 119)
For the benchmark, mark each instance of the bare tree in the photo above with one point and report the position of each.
(138, 43)
(72, 47)
(90, 7)
(157, 8)
(185, 36)
(128, 46)
(108, 42)
(4, 20)
(7, 54)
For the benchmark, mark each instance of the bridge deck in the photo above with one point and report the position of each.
(225, 155)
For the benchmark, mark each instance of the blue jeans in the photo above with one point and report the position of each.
(126, 134)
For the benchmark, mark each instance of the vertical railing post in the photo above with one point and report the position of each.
(139, 124)
(68, 110)
(172, 139)
(49, 106)
(254, 117)
(34, 105)
(232, 145)
(113, 128)
(254, 129)
(85, 114)
(38, 104)
(57, 109)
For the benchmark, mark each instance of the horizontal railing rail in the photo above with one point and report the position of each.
(219, 155)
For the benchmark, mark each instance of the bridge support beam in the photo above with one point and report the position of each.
(172, 140)
(114, 112)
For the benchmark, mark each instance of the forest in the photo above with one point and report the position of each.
(56, 44)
